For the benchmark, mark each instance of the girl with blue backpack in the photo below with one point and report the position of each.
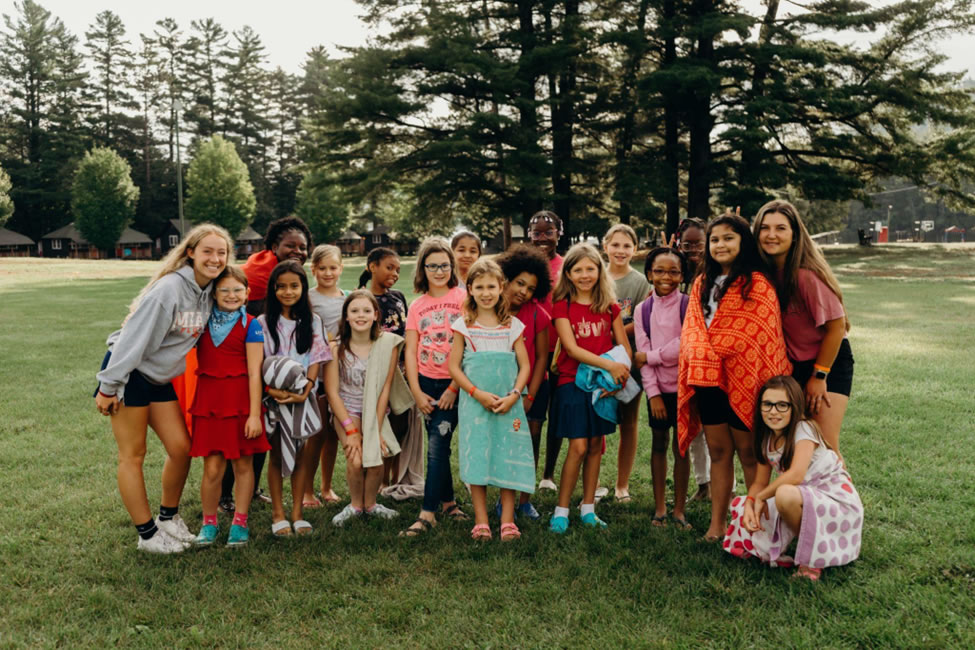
(657, 326)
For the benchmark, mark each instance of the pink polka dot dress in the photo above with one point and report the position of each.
(832, 516)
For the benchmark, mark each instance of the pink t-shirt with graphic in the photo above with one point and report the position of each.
(431, 319)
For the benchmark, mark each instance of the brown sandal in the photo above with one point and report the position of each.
(416, 532)
(455, 513)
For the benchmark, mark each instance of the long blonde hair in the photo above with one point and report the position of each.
(803, 254)
(603, 293)
(179, 257)
(485, 266)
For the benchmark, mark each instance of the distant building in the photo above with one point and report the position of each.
(169, 237)
(351, 243)
(496, 243)
(13, 244)
(67, 241)
(247, 243)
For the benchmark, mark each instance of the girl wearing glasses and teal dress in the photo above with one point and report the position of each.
(812, 500)
(428, 342)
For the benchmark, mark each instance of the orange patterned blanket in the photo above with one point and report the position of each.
(742, 349)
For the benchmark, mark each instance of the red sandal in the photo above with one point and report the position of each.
(807, 572)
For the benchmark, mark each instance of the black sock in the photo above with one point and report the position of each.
(166, 513)
(147, 530)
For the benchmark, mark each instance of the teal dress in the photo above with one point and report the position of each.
(495, 449)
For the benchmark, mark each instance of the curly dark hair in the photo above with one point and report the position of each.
(277, 228)
(524, 258)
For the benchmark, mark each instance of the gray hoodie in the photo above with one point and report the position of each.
(155, 340)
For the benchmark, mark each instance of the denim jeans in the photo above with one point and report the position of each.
(439, 484)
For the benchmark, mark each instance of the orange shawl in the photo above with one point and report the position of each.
(743, 348)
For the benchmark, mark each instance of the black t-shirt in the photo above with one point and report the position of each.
(392, 304)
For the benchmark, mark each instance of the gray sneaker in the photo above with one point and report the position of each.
(176, 528)
(161, 543)
(383, 512)
(347, 513)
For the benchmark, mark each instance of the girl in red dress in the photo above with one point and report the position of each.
(227, 422)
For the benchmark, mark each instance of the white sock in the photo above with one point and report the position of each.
(586, 509)
(561, 512)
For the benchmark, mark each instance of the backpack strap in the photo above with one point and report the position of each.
(684, 299)
(645, 310)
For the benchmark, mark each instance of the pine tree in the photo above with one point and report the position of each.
(110, 84)
(205, 67)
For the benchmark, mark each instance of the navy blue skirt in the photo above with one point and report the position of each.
(576, 416)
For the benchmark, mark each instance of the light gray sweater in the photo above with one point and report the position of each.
(155, 340)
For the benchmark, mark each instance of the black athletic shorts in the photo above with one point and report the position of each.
(139, 391)
(840, 377)
(713, 407)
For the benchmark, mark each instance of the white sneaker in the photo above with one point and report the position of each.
(161, 543)
(547, 484)
(600, 493)
(176, 528)
(383, 512)
(347, 513)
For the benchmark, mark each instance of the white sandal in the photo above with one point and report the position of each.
(302, 527)
(279, 527)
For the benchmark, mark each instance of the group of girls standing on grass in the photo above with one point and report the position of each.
(702, 331)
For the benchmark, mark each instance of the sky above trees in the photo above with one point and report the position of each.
(295, 26)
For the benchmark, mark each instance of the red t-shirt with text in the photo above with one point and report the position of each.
(593, 332)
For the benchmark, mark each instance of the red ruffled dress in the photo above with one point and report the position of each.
(222, 403)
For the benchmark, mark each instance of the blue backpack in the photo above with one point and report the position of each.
(647, 308)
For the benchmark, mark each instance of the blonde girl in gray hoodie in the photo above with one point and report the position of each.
(135, 384)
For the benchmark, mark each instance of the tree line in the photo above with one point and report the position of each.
(484, 111)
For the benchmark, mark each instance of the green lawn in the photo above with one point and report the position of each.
(70, 574)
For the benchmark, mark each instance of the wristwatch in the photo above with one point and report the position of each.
(819, 374)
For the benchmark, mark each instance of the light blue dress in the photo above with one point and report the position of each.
(495, 449)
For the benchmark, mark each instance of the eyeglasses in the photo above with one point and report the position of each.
(433, 268)
(665, 272)
(692, 246)
(237, 291)
(551, 233)
(781, 407)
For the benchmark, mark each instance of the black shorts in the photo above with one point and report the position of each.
(139, 391)
(840, 377)
(539, 407)
(670, 403)
(713, 407)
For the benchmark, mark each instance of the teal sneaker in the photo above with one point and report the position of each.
(558, 525)
(238, 536)
(208, 535)
(593, 521)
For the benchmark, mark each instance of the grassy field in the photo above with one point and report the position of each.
(70, 575)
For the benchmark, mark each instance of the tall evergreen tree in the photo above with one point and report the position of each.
(205, 67)
(110, 85)
(41, 71)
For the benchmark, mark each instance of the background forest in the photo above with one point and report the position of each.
(484, 111)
